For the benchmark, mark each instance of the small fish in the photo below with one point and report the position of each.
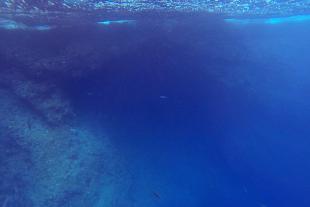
(29, 124)
(156, 195)
(245, 189)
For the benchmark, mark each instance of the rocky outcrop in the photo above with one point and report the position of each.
(48, 159)
(42, 164)
(45, 163)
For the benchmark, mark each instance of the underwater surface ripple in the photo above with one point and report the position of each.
(232, 8)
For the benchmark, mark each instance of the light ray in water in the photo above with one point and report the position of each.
(272, 21)
(6, 24)
(41, 27)
(111, 22)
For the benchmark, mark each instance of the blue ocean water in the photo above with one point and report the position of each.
(163, 104)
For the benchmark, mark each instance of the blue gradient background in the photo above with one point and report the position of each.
(204, 112)
(208, 113)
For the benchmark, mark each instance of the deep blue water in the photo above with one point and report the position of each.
(204, 113)
(204, 121)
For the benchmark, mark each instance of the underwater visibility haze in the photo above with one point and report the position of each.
(154, 103)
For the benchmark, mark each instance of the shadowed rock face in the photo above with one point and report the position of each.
(34, 74)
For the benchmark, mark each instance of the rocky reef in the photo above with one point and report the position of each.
(47, 157)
